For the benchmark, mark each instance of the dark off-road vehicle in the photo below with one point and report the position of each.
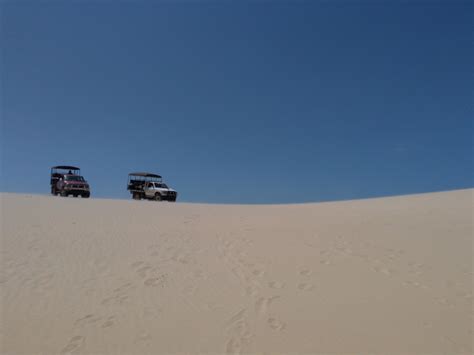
(67, 180)
(149, 186)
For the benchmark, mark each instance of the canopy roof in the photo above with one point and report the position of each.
(146, 175)
(66, 167)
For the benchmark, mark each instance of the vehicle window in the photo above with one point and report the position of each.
(74, 178)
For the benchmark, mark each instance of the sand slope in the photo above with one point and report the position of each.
(383, 276)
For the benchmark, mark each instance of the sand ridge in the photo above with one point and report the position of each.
(387, 276)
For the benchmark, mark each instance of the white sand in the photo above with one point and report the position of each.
(379, 276)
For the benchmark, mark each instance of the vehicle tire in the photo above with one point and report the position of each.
(136, 196)
(157, 197)
(75, 195)
(85, 196)
(63, 193)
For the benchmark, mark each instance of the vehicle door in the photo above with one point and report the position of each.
(149, 189)
(60, 183)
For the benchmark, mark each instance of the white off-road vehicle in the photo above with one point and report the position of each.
(149, 186)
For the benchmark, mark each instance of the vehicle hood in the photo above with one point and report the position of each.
(165, 189)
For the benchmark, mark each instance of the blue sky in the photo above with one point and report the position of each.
(240, 102)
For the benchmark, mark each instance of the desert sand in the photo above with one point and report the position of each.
(377, 276)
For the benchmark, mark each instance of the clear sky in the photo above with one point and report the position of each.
(240, 101)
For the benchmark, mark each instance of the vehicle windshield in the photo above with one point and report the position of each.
(160, 185)
(73, 178)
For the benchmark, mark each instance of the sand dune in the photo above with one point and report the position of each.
(379, 276)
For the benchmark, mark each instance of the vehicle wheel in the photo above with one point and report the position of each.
(63, 194)
(136, 196)
(85, 196)
(75, 195)
(157, 197)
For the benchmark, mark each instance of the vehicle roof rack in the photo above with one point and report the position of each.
(145, 175)
(66, 167)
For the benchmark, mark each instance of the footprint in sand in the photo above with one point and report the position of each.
(305, 272)
(143, 338)
(445, 302)
(143, 271)
(237, 317)
(382, 270)
(190, 290)
(276, 285)
(212, 306)
(137, 264)
(88, 319)
(305, 286)
(416, 268)
(182, 258)
(263, 303)
(109, 322)
(412, 283)
(251, 291)
(141, 268)
(119, 295)
(123, 288)
(154, 250)
(156, 281)
(233, 346)
(74, 345)
(276, 324)
(43, 281)
(152, 312)
(427, 325)
(101, 267)
(465, 295)
(118, 300)
(240, 334)
(198, 274)
(343, 250)
(258, 273)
